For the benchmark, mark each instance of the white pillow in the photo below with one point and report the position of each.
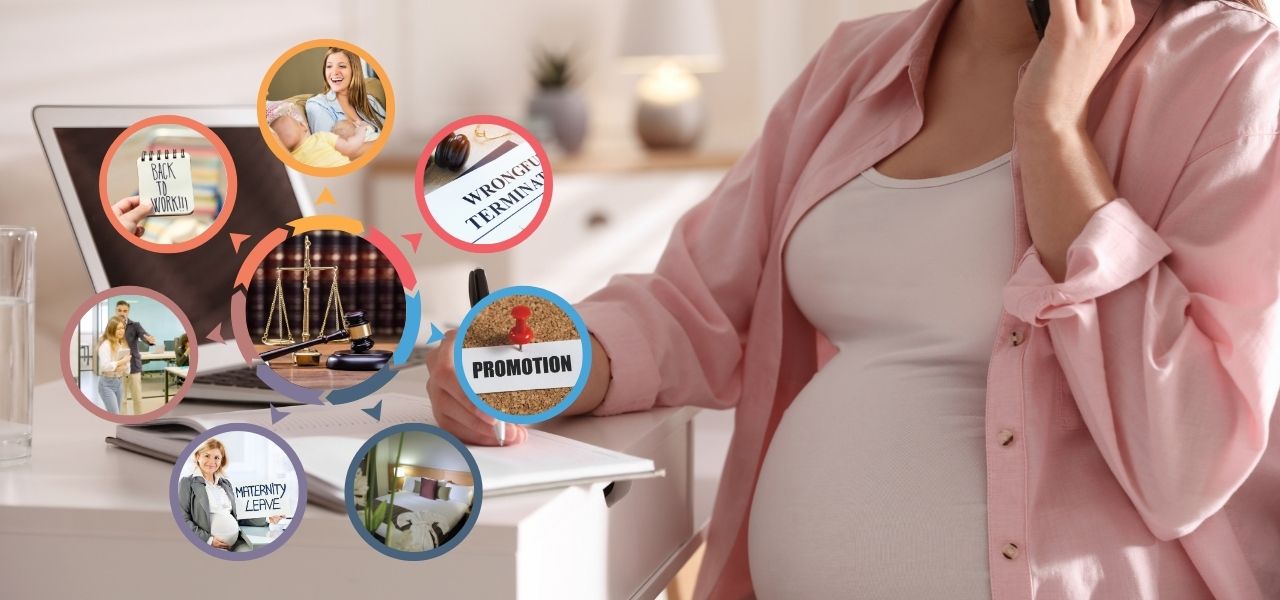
(460, 493)
(408, 484)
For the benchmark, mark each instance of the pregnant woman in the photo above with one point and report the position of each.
(113, 365)
(208, 501)
(999, 316)
(345, 97)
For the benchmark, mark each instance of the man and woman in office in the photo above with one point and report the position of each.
(120, 362)
(208, 501)
(841, 287)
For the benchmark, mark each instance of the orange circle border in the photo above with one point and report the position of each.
(282, 153)
(228, 166)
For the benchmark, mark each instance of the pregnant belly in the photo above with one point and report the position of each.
(874, 486)
(224, 527)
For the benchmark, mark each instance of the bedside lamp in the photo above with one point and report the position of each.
(668, 41)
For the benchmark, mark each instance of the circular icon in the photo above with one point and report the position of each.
(523, 355)
(326, 107)
(331, 308)
(167, 184)
(486, 184)
(237, 491)
(129, 354)
(413, 491)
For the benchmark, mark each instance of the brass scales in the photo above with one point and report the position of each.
(284, 333)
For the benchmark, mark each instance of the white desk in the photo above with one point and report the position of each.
(177, 373)
(80, 515)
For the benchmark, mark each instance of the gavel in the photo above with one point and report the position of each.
(362, 356)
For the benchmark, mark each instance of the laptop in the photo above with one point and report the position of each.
(201, 280)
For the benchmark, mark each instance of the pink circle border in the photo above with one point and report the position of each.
(418, 187)
(65, 354)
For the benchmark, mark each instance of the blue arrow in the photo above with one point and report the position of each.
(277, 414)
(375, 412)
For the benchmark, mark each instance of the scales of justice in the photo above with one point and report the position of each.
(347, 326)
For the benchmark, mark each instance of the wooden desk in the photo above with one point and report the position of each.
(321, 378)
(565, 543)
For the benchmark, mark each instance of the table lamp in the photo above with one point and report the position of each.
(668, 41)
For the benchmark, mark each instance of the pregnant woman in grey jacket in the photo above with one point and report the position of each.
(208, 501)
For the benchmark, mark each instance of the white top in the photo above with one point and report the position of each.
(874, 485)
(108, 365)
(221, 524)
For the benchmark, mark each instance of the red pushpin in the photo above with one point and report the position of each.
(521, 334)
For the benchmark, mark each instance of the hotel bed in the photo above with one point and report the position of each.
(420, 523)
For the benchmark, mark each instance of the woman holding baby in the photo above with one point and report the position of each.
(345, 96)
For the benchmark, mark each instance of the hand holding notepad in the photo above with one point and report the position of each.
(164, 182)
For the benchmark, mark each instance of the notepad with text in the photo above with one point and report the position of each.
(164, 182)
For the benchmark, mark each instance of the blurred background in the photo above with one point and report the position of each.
(445, 60)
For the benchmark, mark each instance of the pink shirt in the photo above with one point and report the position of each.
(1127, 407)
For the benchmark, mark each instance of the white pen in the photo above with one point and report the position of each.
(501, 429)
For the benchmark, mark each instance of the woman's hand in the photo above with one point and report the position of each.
(273, 519)
(221, 545)
(453, 411)
(130, 212)
(1081, 39)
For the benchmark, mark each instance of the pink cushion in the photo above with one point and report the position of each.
(428, 488)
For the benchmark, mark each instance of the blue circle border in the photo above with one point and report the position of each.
(583, 337)
(477, 500)
(298, 511)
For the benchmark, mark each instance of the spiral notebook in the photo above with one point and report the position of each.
(164, 182)
(326, 439)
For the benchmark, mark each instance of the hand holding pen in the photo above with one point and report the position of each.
(453, 411)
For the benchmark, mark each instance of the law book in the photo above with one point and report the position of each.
(271, 270)
(293, 284)
(256, 305)
(350, 271)
(390, 299)
(326, 439)
(367, 286)
(319, 282)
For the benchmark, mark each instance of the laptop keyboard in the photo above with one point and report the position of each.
(247, 377)
(242, 377)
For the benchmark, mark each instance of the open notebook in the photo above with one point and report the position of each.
(326, 439)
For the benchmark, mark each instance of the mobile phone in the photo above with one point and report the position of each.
(1039, 15)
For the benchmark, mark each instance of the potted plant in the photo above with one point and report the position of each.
(558, 104)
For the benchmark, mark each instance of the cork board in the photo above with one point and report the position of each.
(490, 328)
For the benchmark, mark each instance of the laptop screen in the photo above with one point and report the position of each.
(199, 280)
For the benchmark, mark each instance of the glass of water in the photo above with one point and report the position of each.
(17, 339)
